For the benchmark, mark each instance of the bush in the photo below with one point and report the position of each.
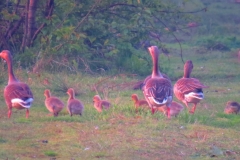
(219, 43)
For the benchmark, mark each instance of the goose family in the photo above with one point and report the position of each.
(74, 106)
(157, 90)
(187, 89)
(17, 94)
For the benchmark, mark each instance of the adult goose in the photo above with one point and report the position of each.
(232, 107)
(74, 106)
(157, 90)
(53, 104)
(17, 94)
(100, 104)
(189, 90)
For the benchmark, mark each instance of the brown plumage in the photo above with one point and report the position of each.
(138, 102)
(175, 109)
(74, 106)
(189, 90)
(232, 107)
(100, 104)
(17, 94)
(141, 83)
(53, 104)
(157, 90)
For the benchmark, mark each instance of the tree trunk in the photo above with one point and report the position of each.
(48, 13)
(25, 27)
(31, 21)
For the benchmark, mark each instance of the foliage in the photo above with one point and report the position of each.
(219, 42)
(95, 34)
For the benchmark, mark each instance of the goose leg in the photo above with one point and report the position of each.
(153, 110)
(168, 113)
(27, 113)
(193, 109)
(186, 105)
(55, 114)
(190, 111)
(9, 113)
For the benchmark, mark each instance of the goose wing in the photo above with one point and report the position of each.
(18, 90)
(158, 91)
(186, 85)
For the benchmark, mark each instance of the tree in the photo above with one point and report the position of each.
(95, 33)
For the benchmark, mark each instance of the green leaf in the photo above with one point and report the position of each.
(106, 42)
(147, 10)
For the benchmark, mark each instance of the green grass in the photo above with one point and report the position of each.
(50, 153)
(121, 133)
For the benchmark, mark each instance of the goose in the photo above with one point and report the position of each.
(53, 104)
(74, 106)
(17, 94)
(232, 107)
(189, 90)
(175, 109)
(139, 102)
(100, 104)
(157, 90)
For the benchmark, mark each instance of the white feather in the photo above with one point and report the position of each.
(25, 104)
(163, 102)
(190, 95)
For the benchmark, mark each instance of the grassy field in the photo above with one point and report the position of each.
(121, 133)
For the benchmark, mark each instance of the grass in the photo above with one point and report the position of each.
(50, 153)
(121, 133)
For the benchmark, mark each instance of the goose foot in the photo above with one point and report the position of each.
(27, 113)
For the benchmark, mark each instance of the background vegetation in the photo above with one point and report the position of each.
(90, 36)
(99, 47)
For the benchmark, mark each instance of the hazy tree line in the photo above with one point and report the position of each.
(89, 35)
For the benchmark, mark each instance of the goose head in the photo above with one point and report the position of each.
(96, 98)
(71, 92)
(47, 93)
(6, 55)
(134, 97)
